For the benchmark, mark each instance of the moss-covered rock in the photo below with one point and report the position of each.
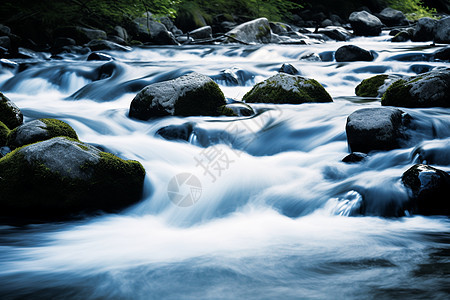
(190, 95)
(61, 178)
(429, 188)
(4, 132)
(290, 89)
(39, 130)
(375, 86)
(10, 114)
(431, 89)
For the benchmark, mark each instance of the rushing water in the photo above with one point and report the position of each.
(273, 214)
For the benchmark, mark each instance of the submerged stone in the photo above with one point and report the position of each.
(287, 89)
(61, 178)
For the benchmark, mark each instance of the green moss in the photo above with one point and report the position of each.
(226, 111)
(54, 128)
(369, 87)
(4, 132)
(32, 192)
(59, 128)
(398, 94)
(263, 31)
(203, 101)
(309, 90)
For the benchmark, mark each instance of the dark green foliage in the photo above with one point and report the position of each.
(413, 9)
(203, 101)
(369, 87)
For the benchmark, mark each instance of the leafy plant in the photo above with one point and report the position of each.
(413, 9)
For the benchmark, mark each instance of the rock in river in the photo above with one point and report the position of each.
(257, 31)
(290, 89)
(375, 86)
(39, 130)
(430, 189)
(353, 53)
(365, 24)
(10, 114)
(431, 89)
(61, 178)
(189, 95)
(377, 128)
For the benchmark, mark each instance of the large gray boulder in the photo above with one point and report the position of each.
(365, 24)
(392, 17)
(431, 89)
(10, 114)
(352, 53)
(429, 190)
(61, 178)
(189, 95)
(442, 31)
(148, 30)
(92, 34)
(204, 32)
(424, 30)
(377, 128)
(39, 130)
(290, 89)
(253, 32)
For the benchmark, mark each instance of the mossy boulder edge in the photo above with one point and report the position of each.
(375, 86)
(193, 94)
(4, 132)
(39, 130)
(61, 178)
(431, 89)
(10, 114)
(287, 89)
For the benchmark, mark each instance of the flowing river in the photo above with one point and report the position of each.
(270, 211)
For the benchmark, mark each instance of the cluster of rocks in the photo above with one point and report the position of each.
(426, 29)
(387, 128)
(149, 29)
(47, 174)
(367, 130)
(196, 94)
